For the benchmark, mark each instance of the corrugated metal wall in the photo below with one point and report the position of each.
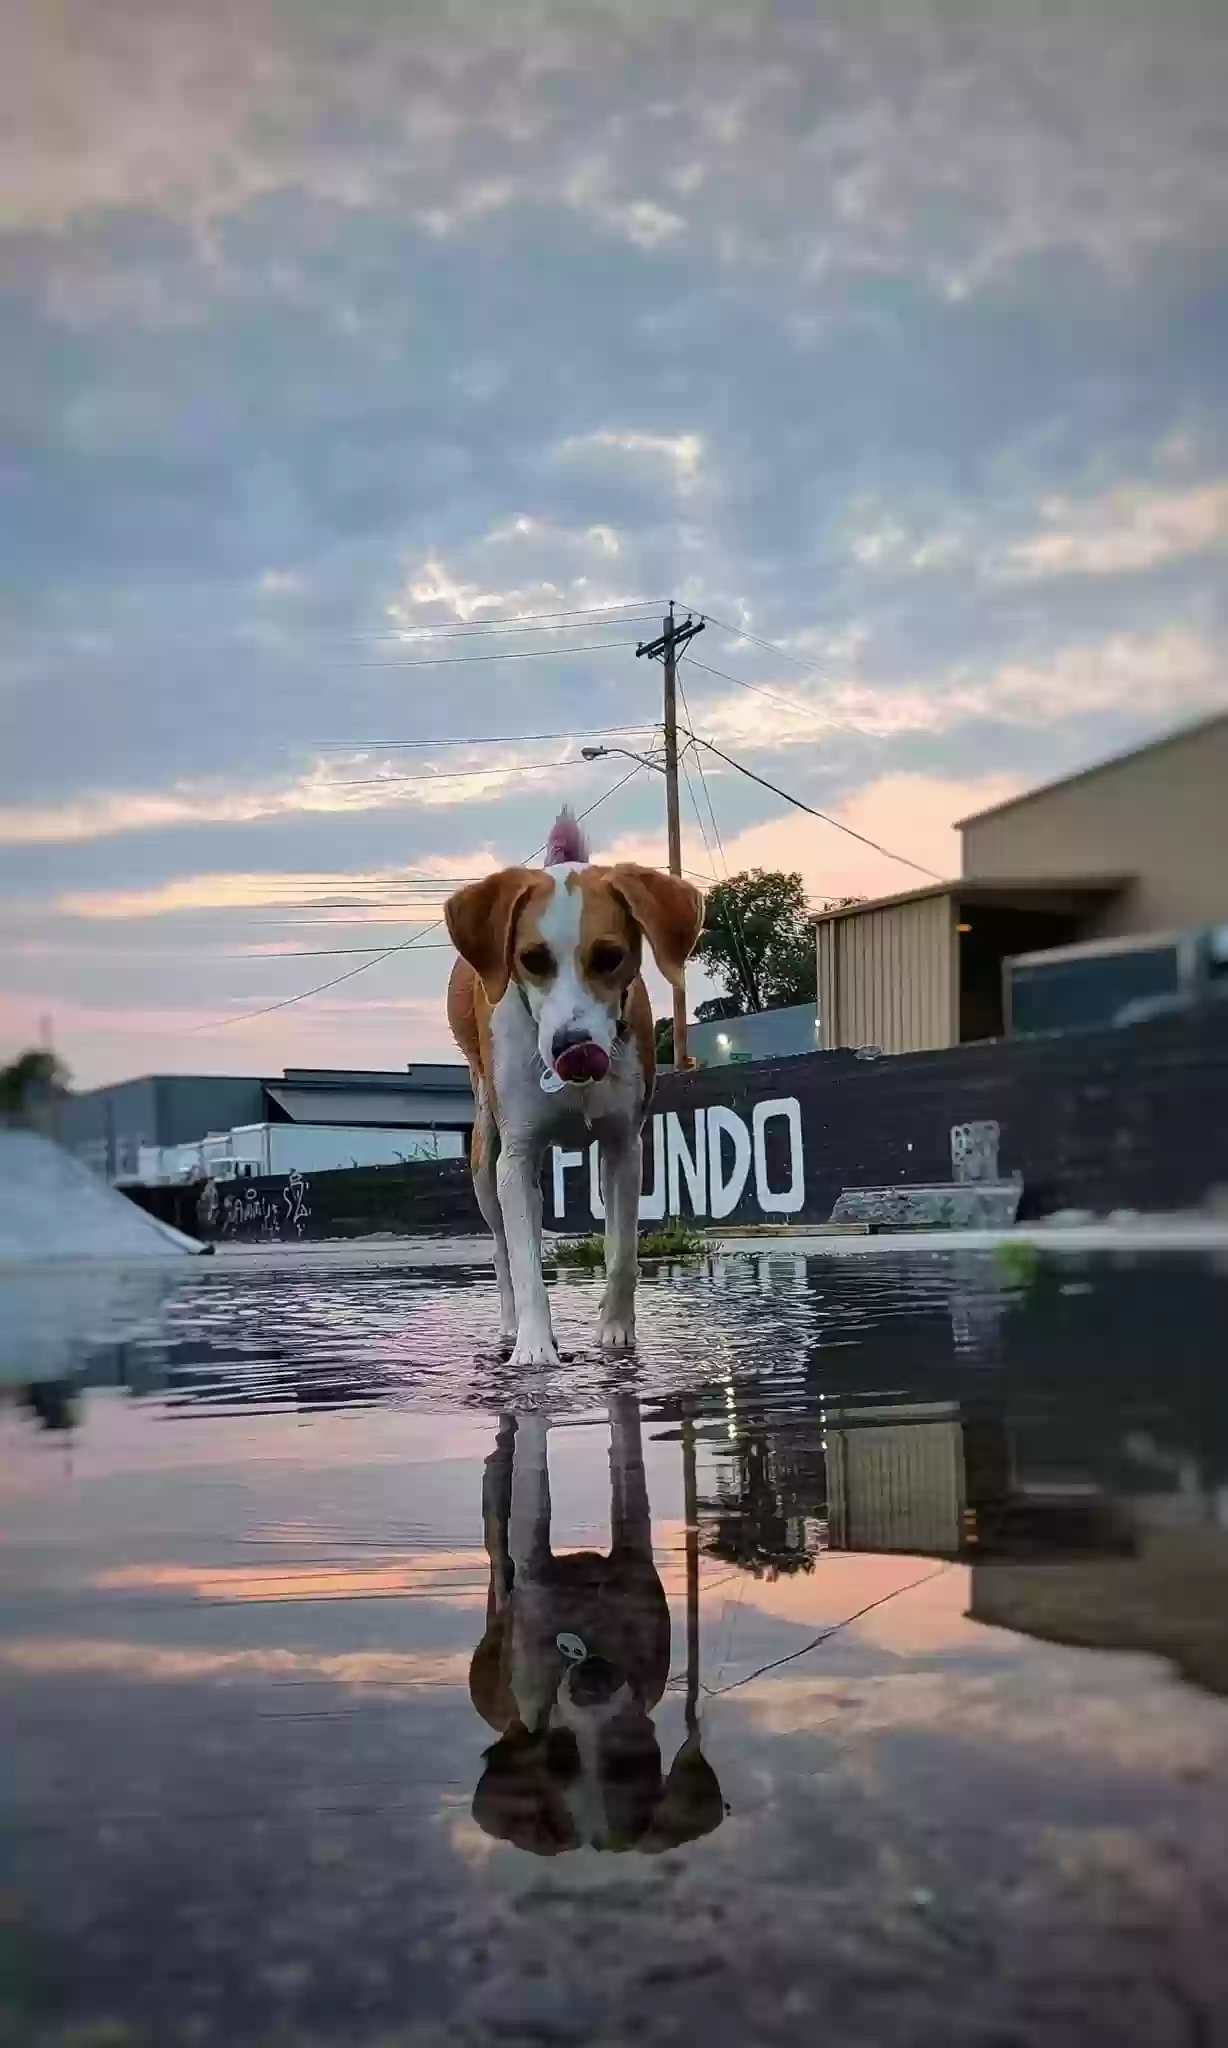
(897, 1488)
(888, 977)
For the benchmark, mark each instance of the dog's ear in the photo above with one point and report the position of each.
(517, 1802)
(690, 1806)
(481, 923)
(669, 910)
(490, 1671)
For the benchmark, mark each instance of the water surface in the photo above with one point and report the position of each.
(850, 1659)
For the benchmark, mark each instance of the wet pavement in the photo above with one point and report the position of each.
(849, 1664)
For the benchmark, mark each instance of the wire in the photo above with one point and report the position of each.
(506, 739)
(790, 703)
(760, 642)
(699, 819)
(716, 830)
(718, 1691)
(734, 925)
(515, 654)
(456, 774)
(326, 952)
(403, 945)
(641, 611)
(826, 817)
(578, 611)
(467, 629)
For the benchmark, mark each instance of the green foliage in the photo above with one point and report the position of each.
(575, 1251)
(758, 943)
(1018, 1260)
(29, 1080)
(672, 1241)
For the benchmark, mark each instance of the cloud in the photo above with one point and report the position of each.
(1154, 676)
(1122, 532)
(373, 784)
(679, 455)
(952, 142)
(280, 583)
(318, 892)
(909, 814)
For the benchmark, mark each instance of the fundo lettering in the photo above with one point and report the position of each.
(707, 1163)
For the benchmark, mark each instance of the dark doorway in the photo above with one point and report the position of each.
(987, 935)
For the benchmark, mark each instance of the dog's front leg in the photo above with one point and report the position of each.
(520, 1199)
(621, 1172)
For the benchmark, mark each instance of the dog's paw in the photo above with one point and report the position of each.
(534, 1350)
(617, 1333)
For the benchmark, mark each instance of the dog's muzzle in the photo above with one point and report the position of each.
(593, 1682)
(578, 1058)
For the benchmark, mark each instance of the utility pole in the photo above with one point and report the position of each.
(665, 649)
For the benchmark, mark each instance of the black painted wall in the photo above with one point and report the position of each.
(1134, 1118)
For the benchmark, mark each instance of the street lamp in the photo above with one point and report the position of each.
(604, 754)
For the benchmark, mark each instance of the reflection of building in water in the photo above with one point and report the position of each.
(896, 1479)
(925, 1478)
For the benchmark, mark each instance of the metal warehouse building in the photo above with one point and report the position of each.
(1136, 845)
(117, 1130)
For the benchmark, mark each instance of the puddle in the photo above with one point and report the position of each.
(851, 1658)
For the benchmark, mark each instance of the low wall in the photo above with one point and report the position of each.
(1126, 1118)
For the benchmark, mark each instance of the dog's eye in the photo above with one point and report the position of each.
(538, 960)
(606, 959)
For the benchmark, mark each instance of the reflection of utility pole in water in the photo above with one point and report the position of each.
(690, 1497)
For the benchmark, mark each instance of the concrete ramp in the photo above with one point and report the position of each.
(52, 1208)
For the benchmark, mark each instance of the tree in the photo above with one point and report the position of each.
(749, 1523)
(758, 943)
(31, 1079)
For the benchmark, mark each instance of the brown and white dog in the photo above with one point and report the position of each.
(575, 1657)
(548, 1006)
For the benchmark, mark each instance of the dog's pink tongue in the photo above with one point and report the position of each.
(587, 1062)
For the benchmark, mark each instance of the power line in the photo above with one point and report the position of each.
(790, 703)
(628, 612)
(454, 774)
(403, 945)
(716, 830)
(515, 654)
(703, 830)
(468, 629)
(512, 739)
(326, 952)
(826, 817)
(733, 921)
(578, 611)
(769, 646)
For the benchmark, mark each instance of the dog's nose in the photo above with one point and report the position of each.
(592, 1683)
(568, 1039)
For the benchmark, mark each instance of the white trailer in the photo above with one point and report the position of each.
(320, 1148)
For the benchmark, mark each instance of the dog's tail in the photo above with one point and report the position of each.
(566, 841)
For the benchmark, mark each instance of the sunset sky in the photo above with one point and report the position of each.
(895, 333)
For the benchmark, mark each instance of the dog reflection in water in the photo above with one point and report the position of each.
(575, 1656)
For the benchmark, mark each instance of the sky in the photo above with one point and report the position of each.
(374, 375)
